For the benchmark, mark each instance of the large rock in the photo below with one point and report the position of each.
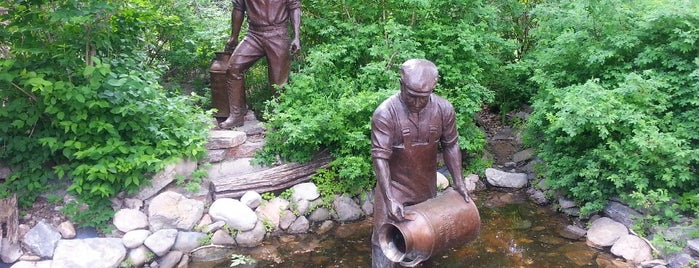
(165, 177)
(161, 241)
(135, 238)
(632, 248)
(187, 241)
(270, 212)
(173, 210)
(223, 139)
(170, 260)
(346, 209)
(42, 239)
(305, 191)
(299, 226)
(621, 213)
(604, 232)
(236, 214)
(253, 237)
(128, 219)
(694, 245)
(89, 253)
(138, 256)
(505, 179)
(251, 199)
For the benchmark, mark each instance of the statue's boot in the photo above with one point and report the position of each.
(236, 104)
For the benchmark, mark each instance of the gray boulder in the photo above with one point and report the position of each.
(42, 239)
(173, 210)
(93, 253)
(604, 232)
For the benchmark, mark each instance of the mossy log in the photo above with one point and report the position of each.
(272, 179)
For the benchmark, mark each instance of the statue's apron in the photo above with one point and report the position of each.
(413, 167)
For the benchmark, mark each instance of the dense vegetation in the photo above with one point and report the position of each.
(96, 93)
(617, 109)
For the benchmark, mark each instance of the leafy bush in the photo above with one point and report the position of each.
(617, 111)
(352, 54)
(88, 107)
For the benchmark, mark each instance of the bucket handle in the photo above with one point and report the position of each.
(412, 263)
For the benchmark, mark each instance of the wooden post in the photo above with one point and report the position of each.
(9, 218)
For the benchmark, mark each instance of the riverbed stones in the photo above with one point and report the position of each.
(173, 210)
(93, 252)
(305, 191)
(299, 226)
(135, 238)
(161, 241)
(128, 219)
(251, 199)
(187, 241)
(346, 209)
(503, 179)
(138, 256)
(170, 260)
(604, 232)
(236, 214)
(320, 214)
(621, 213)
(572, 232)
(269, 212)
(67, 230)
(222, 237)
(253, 237)
(42, 239)
(632, 248)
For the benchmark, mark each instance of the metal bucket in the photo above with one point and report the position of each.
(432, 226)
(219, 86)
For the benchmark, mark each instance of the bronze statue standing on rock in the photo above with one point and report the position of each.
(406, 130)
(267, 36)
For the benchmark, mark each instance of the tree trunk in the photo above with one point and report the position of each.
(273, 179)
(9, 218)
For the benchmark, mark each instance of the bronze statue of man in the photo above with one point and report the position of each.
(267, 36)
(406, 132)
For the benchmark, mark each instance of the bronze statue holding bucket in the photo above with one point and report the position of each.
(411, 222)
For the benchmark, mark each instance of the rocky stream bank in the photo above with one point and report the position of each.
(171, 225)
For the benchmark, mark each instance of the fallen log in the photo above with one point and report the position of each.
(272, 179)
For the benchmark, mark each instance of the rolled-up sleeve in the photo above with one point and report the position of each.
(381, 136)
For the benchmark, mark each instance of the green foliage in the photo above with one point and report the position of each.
(617, 111)
(352, 52)
(89, 108)
(97, 215)
(206, 240)
(238, 259)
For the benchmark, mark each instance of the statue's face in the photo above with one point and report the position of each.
(415, 102)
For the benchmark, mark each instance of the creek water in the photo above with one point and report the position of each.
(514, 233)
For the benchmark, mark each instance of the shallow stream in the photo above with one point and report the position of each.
(514, 233)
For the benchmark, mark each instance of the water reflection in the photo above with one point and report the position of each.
(514, 233)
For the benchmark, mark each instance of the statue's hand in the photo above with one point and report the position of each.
(463, 192)
(231, 44)
(295, 46)
(395, 211)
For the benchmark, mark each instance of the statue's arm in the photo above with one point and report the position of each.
(383, 179)
(295, 16)
(452, 159)
(236, 24)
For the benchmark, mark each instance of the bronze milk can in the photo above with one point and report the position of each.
(219, 87)
(432, 226)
